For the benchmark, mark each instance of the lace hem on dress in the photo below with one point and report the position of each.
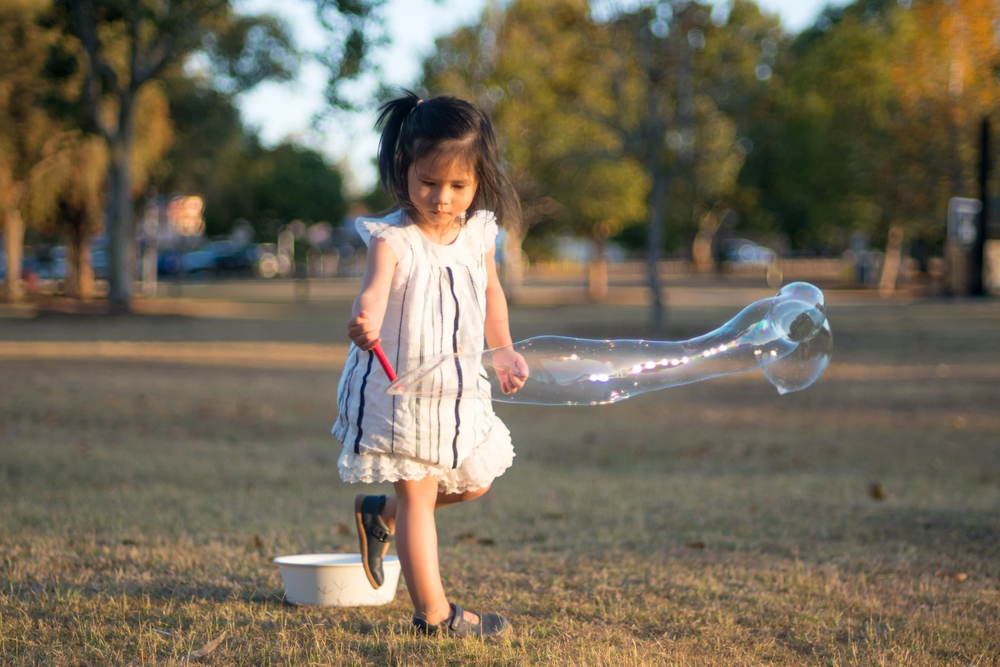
(479, 469)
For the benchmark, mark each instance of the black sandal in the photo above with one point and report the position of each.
(489, 625)
(373, 535)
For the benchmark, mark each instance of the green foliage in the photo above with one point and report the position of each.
(865, 120)
(590, 112)
(125, 46)
(377, 200)
(538, 70)
(26, 127)
(268, 186)
(875, 121)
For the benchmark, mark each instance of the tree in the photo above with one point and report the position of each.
(877, 123)
(211, 150)
(537, 67)
(72, 201)
(662, 72)
(28, 134)
(602, 119)
(279, 184)
(69, 192)
(129, 44)
(216, 156)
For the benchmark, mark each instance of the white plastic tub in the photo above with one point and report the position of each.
(335, 580)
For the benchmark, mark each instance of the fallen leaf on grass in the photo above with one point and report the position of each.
(196, 655)
(876, 490)
(695, 545)
(954, 576)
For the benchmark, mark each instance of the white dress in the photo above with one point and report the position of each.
(437, 305)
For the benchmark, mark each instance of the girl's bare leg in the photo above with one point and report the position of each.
(443, 500)
(410, 513)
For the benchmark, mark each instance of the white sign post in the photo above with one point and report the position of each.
(962, 212)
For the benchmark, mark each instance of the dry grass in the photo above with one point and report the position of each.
(714, 524)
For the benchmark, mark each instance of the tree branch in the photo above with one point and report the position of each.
(98, 69)
(160, 55)
(134, 47)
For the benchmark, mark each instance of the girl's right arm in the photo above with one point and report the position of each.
(369, 307)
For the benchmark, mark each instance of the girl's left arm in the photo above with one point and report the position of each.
(510, 366)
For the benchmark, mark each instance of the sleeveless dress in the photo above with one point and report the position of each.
(437, 305)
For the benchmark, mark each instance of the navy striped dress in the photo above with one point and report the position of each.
(436, 306)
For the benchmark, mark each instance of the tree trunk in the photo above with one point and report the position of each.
(13, 234)
(654, 241)
(119, 234)
(513, 267)
(701, 249)
(893, 260)
(597, 273)
(977, 283)
(79, 265)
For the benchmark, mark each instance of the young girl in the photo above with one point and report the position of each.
(430, 288)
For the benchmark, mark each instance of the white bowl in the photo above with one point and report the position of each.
(335, 580)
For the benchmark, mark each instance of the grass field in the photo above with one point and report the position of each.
(143, 495)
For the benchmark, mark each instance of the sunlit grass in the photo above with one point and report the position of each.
(141, 503)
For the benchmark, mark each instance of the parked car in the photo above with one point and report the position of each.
(215, 258)
(744, 251)
(168, 263)
(236, 258)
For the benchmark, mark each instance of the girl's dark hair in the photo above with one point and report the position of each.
(449, 126)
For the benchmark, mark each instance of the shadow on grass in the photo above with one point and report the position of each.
(945, 531)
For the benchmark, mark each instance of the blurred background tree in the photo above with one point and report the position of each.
(126, 45)
(537, 69)
(72, 201)
(217, 156)
(602, 123)
(669, 125)
(28, 133)
(57, 172)
(281, 184)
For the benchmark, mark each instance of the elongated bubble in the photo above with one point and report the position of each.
(787, 336)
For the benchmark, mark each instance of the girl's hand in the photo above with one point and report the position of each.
(362, 331)
(511, 368)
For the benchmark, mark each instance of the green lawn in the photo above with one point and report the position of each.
(713, 524)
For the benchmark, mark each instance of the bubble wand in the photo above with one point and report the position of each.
(787, 336)
(386, 366)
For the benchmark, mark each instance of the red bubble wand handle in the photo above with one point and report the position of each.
(386, 366)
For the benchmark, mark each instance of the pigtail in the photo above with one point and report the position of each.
(392, 115)
(496, 191)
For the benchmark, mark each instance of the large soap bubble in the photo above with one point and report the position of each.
(787, 336)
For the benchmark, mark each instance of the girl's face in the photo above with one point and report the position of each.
(442, 188)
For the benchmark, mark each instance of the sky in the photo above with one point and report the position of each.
(284, 111)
